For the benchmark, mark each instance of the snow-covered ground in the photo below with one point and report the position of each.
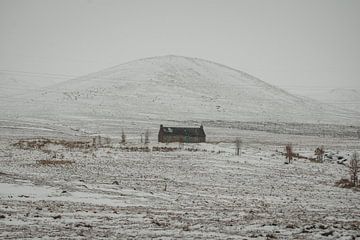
(199, 191)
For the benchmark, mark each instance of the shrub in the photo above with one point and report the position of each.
(54, 162)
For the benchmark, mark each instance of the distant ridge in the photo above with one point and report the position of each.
(342, 98)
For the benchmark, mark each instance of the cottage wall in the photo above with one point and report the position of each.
(167, 138)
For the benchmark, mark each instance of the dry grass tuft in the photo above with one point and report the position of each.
(42, 143)
(54, 162)
(344, 183)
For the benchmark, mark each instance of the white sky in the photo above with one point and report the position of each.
(303, 44)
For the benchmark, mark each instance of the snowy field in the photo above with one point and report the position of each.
(201, 191)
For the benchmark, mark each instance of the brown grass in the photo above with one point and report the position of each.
(41, 143)
(344, 183)
(54, 162)
(135, 149)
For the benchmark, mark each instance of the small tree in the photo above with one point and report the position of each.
(147, 135)
(319, 152)
(354, 168)
(123, 136)
(107, 141)
(238, 144)
(96, 141)
(289, 152)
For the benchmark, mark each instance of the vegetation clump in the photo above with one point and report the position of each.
(54, 162)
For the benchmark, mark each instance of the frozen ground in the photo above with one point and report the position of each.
(204, 194)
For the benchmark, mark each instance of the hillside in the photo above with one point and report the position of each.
(340, 97)
(174, 88)
(17, 83)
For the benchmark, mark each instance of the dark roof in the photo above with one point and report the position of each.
(191, 132)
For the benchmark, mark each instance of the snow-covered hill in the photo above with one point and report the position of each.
(17, 82)
(340, 97)
(175, 88)
(11, 85)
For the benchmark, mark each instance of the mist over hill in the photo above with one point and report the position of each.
(339, 97)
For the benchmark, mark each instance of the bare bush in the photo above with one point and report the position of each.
(136, 149)
(54, 162)
(319, 152)
(238, 144)
(147, 136)
(164, 149)
(123, 136)
(289, 152)
(96, 141)
(344, 183)
(43, 143)
(354, 168)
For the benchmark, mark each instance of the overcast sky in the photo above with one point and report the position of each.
(292, 44)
